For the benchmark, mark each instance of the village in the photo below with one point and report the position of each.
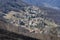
(32, 19)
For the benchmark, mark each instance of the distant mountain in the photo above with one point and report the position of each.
(9, 5)
(49, 3)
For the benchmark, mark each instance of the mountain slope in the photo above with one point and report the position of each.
(52, 13)
(27, 16)
(17, 5)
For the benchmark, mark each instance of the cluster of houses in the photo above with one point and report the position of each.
(32, 19)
